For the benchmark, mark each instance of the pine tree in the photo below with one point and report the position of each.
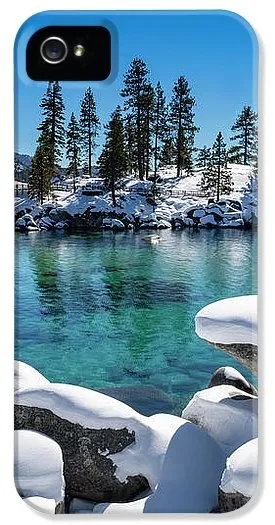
(135, 86)
(217, 177)
(112, 162)
(161, 126)
(203, 157)
(52, 125)
(148, 115)
(39, 185)
(246, 135)
(73, 148)
(130, 144)
(89, 126)
(168, 151)
(182, 118)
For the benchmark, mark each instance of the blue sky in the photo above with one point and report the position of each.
(215, 51)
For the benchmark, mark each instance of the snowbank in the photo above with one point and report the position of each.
(229, 321)
(26, 376)
(229, 415)
(38, 468)
(241, 470)
(227, 375)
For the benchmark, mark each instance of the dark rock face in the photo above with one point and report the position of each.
(219, 378)
(246, 354)
(88, 471)
(229, 501)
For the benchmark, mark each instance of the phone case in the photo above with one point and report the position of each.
(136, 270)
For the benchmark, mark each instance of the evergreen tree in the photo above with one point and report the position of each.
(39, 185)
(130, 144)
(203, 157)
(245, 129)
(182, 118)
(168, 151)
(148, 107)
(112, 162)
(161, 127)
(217, 177)
(89, 126)
(73, 148)
(135, 87)
(52, 125)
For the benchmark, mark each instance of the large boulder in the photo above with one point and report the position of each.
(38, 468)
(239, 479)
(25, 376)
(111, 453)
(231, 325)
(228, 414)
(227, 375)
(189, 478)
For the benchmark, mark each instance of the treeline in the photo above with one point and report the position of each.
(144, 133)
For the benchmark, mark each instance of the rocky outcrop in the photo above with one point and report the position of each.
(226, 375)
(88, 471)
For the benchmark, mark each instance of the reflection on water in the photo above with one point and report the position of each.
(112, 312)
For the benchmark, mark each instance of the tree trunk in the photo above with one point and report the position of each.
(179, 138)
(245, 144)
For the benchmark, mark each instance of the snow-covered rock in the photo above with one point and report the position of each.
(228, 321)
(228, 414)
(20, 223)
(227, 375)
(42, 504)
(208, 220)
(149, 437)
(239, 479)
(189, 478)
(46, 223)
(113, 224)
(38, 467)
(25, 376)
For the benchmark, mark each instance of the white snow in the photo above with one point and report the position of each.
(42, 504)
(95, 410)
(189, 478)
(38, 466)
(230, 420)
(241, 472)
(233, 374)
(25, 376)
(228, 321)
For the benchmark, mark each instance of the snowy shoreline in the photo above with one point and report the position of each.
(176, 204)
(105, 457)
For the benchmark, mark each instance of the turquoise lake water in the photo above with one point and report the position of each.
(114, 313)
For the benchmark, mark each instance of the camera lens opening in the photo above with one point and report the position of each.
(53, 50)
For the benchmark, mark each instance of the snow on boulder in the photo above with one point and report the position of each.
(43, 504)
(38, 467)
(20, 223)
(25, 376)
(102, 430)
(208, 220)
(189, 479)
(228, 414)
(227, 375)
(239, 479)
(229, 321)
(199, 213)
